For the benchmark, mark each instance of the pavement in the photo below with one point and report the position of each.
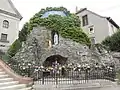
(90, 85)
(105, 88)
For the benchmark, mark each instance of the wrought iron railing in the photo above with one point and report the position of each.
(74, 75)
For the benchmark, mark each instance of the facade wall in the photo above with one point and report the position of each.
(112, 29)
(5, 5)
(12, 31)
(100, 24)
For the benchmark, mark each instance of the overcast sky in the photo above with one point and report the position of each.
(28, 8)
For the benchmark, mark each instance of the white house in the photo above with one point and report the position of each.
(9, 24)
(95, 26)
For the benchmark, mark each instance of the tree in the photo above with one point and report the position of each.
(14, 48)
(113, 42)
(24, 32)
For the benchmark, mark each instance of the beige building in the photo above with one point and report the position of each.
(95, 26)
(9, 24)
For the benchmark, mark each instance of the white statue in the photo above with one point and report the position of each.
(55, 39)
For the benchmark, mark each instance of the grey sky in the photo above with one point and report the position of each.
(103, 7)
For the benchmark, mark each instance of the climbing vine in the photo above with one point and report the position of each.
(67, 26)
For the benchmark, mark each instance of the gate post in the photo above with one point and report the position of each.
(42, 77)
(56, 79)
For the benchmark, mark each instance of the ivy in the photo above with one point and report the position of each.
(67, 26)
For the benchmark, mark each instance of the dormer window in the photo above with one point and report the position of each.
(5, 24)
(55, 38)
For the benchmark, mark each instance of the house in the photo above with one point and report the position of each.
(97, 27)
(9, 24)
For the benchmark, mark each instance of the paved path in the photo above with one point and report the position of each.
(90, 85)
(106, 88)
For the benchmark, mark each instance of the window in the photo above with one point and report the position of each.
(5, 24)
(4, 37)
(85, 20)
(55, 38)
(91, 30)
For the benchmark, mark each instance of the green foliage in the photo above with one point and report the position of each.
(68, 27)
(14, 48)
(113, 42)
(24, 32)
(42, 11)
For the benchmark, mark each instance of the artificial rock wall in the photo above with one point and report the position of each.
(38, 48)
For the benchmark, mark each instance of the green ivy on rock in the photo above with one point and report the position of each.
(67, 26)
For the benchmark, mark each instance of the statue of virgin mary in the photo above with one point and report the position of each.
(55, 39)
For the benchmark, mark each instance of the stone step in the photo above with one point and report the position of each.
(6, 80)
(28, 88)
(14, 87)
(4, 76)
(1, 73)
(9, 83)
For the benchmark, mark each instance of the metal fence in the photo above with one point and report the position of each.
(73, 76)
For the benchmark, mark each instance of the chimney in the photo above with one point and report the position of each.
(76, 9)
